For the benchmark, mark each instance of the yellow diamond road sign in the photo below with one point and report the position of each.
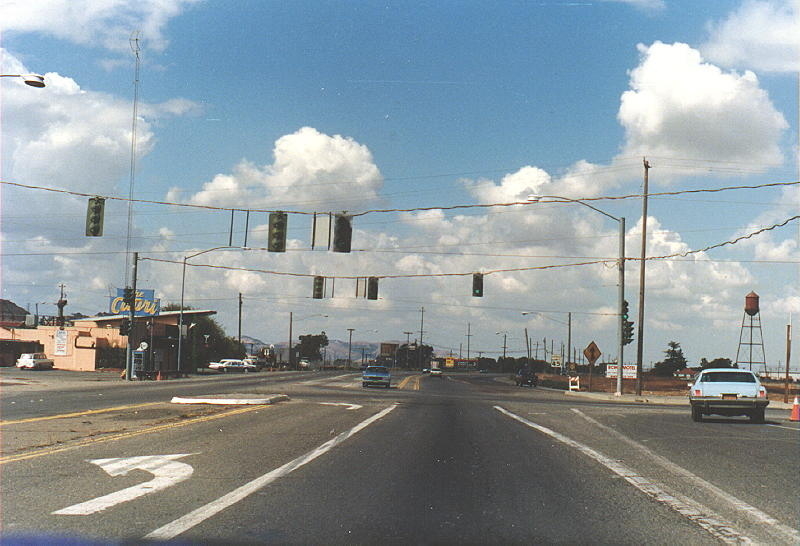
(592, 353)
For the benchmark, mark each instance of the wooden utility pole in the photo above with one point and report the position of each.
(640, 335)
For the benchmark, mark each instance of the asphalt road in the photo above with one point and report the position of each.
(466, 459)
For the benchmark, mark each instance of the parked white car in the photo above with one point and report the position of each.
(233, 365)
(728, 391)
(34, 361)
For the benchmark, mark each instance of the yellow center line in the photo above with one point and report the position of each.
(123, 435)
(77, 414)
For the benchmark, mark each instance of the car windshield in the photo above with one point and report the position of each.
(376, 369)
(728, 377)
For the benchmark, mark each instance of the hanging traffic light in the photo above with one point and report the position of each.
(372, 288)
(624, 315)
(342, 233)
(129, 297)
(319, 288)
(278, 222)
(94, 216)
(627, 332)
(477, 285)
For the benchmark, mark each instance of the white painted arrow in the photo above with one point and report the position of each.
(349, 406)
(165, 468)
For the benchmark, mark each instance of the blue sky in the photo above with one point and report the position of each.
(328, 106)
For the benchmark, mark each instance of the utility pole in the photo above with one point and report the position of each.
(408, 345)
(788, 357)
(421, 330)
(640, 336)
(290, 339)
(569, 342)
(350, 349)
(240, 320)
(469, 335)
(131, 317)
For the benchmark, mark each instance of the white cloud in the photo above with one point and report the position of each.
(760, 35)
(101, 23)
(682, 107)
(310, 170)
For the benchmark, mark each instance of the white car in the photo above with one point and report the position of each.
(34, 361)
(436, 372)
(233, 365)
(728, 391)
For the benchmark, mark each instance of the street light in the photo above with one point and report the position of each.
(183, 286)
(34, 80)
(621, 266)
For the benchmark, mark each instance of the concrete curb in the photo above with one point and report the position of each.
(231, 399)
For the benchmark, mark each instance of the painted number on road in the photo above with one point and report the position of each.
(165, 469)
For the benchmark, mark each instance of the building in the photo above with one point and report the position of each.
(95, 342)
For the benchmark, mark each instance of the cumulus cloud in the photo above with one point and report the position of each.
(94, 22)
(682, 107)
(310, 169)
(760, 35)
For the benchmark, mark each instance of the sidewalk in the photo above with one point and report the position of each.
(674, 400)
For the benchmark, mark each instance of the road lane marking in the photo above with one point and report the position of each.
(410, 379)
(123, 435)
(165, 469)
(77, 414)
(195, 517)
(688, 508)
(773, 526)
(349, 406)
(781, 426)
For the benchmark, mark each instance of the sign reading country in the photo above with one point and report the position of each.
(146, 303)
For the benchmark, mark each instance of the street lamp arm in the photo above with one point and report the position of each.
(560, 199)
(34, 80)
(207, 250)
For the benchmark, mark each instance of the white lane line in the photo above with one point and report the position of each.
(195, 517)
(688, 508)
(781, 426)
(772, 526)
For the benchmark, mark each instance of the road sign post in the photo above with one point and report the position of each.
(592, 353)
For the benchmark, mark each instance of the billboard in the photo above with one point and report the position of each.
(389, 349)
(146, 303)
(628, 371)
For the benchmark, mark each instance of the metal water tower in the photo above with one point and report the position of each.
(751, 323)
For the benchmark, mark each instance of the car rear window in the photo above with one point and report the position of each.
(376, 369)
(728, 377)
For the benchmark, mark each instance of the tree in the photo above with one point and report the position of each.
(310, 346)
(673, 362)
(716, 363)
(409, 355)
(206, 340)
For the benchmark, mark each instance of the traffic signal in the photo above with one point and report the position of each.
(129, 297)
(342, 233)
(319, 288)
(372, 288)
(627, 332)
(94, 216)
(624, 315)
(125, 327)
(477, 285)
(278, 222)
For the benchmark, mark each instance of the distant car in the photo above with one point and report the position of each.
(524, 377)
(34, 361)
(436, 372)
(728, 391)
(483, 370)
(376, 375)
(233, 365)
(426, 370)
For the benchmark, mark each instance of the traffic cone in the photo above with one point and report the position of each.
(795, 410)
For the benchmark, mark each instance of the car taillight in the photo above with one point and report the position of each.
(762, 392)
(698, 392)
